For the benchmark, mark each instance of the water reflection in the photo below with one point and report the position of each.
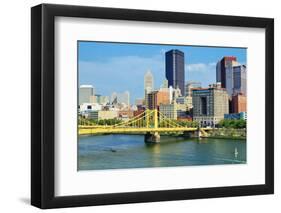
(130, 151)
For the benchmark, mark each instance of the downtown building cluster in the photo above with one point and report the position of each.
(97, 107)
(224, 99)
(176, 99)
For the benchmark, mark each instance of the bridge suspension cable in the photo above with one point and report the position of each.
(141, 117)
(170, 122)
(146, 119)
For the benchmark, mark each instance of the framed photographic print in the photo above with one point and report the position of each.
(140, 106)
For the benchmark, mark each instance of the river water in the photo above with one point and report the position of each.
(130, 151)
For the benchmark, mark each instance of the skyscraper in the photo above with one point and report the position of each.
(209, 105)
(224, 73)
(218, 71)
(239, 80)
(85, 93)
(175, 69)
(148, 80)
(148, 86)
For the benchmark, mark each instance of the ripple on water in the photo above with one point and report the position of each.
(130, 151)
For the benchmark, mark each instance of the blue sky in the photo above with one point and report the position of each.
(117, 67)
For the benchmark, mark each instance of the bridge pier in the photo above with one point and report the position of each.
(193, 134)
(152, 137)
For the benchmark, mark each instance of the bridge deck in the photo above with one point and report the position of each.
(83, 130)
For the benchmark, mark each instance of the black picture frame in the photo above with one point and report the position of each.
(43, 102)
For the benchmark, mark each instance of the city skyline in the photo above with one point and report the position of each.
(118, 67)
(165, 95)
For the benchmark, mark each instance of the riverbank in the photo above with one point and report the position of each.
(227, 133)
(225, 137)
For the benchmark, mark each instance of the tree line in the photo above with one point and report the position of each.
(235, 124)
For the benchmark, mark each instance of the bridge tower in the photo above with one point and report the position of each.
(147, 115)
(155, 118)
(152, 137)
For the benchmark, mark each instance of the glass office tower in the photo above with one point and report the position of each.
(175, 69)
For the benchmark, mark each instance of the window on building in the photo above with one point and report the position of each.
(203, 105)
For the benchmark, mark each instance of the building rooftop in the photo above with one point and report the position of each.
(208, 88)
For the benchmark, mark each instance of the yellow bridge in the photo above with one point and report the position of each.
(151, 122)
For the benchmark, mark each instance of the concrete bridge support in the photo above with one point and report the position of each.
(192, 134)
(152, 137)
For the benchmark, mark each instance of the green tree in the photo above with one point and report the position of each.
(235, 124)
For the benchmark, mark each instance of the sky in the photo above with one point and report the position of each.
(118, 67)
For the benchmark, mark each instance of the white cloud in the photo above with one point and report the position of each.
(213, 64)
(201, 67)
(125, 66)
(121, 73)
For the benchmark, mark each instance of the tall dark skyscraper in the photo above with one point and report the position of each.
(175, 69)
(240, 79)
(224, 72)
